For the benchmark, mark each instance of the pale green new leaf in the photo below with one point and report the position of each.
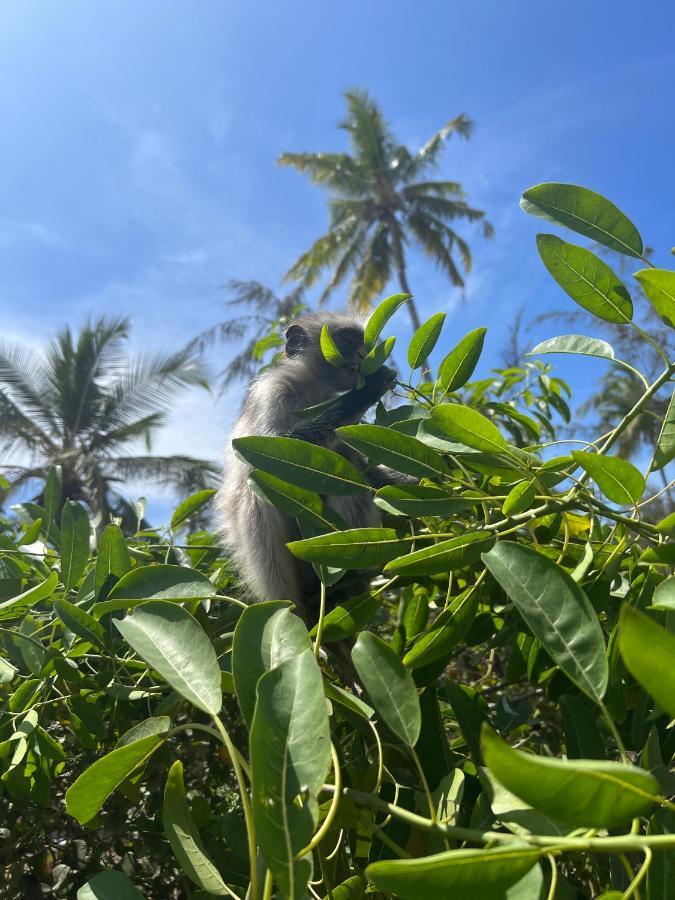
(468, 427)
(380, 316)
(424, 340)
(458, 366)
(659, 286)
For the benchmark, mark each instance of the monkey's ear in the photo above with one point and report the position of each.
(296, 340)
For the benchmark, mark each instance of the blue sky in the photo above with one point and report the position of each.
(139, 146)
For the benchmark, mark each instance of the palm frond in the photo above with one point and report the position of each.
(337, 171)
(176, 470)
(434, 241)
(348, 262)
(374, 270)
(449, 189)
(427, 156)
(325, 251)
(223, 332)
(143, 428)
(368, 132)
(252, 293)
(21, 377)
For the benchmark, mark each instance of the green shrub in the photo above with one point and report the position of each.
(522, 599)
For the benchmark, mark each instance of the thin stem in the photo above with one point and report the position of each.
(319, 627)
(554, 876)
(425, 784)
(246, 805)
(640, 876)
(615, 731)
(330, 816)
(269, 884)
(388, 842)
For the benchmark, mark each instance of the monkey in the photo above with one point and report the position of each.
(255, 532)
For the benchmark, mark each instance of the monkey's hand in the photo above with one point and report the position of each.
(377, 384)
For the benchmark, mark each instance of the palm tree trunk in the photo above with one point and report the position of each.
(403, 281)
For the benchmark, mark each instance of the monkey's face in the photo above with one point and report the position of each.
(349, 341)
(305, 342)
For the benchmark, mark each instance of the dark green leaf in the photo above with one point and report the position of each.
(349, 617)
(190, 506)
(585, 212)
(109, 885)
(52, 497)
(357, 548)
(289, 499)
(113, 558)
(418, 500)
(556, 610)
(448, 630)
(389, 686)
(665, 445)
(156, 582)
(170, 640)
(75, 530)
(586, 278)
(391, 448)
(445, 556)
(520, 497)
(80, 622)
(648, 651)
(463, 424)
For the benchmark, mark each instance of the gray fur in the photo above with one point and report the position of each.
(253, 531)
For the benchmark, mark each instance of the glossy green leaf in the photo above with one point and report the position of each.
(417, 500)
(556, 610)
(145, 728)
(424, 340)
(349, 617)
(109, 885)
(661, 873)
(577, 344)
(305, 465)
(173, 643)
(156, 582)
(583, 793)
(659, 286)
(290, 758)
(288, 498)
(586, 279)
(75, 530)
(330, 350)
(80, 622)
(191, 506)
(353, 888)
(19, 605)
(468, 427)
(518, 816)
(585, 212)
(184, 837)
(381, 315)
(356, 548)
(377, 356)
(519, 498)
(391, 448)
(266, 635)
(7, 671)
(448, 630)
(445, 556)
(52, 498)
(617, 478)
(389, 686)
(89, 792)
(112, 558)
(648, 651)
(484, 874)
(665, 444)
(664, 595)
(458, 366)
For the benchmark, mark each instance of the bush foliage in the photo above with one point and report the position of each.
(502, 726)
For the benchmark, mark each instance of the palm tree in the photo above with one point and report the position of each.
(263, 325)
(84, 404)
(378, 206)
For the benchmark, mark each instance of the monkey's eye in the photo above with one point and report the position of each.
(348, 339)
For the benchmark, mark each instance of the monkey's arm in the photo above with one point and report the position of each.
(381, 476)
(349, 408)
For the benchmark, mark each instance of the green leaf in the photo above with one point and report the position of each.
(618, 479)
(156, 582)
(109, 885)
(266, 635)
(290, 757)
(353, 888)
(575, 343)
(348, 617)
(665, 444)
(52, 498)
(519, 498)
(661, 873)
(89, 792)
(585, 212)
(289, 499)
(173, 643)
(418, 500)
(424, 340)
(75, 531)
(184, 837)
(448, 630)
(153, 725)
(648, 651)
(518, 816)
(659, 286)
(483, 874)
(463, 424)
(7, 671)
(381, 315)
(80, 622)
(17, 606)
(305, 465)
(556, 610)
(330, 350)
(457, 367)
(445, 556)
(664, 595)
(583, 739)
(112, 560)
(190, 506)
(586, 278)
(392, 448)
(356, 548)
(389, 686)
(377, 356)
(583, 793)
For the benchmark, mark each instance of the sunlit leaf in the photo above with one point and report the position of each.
(586, 278)
(556, 610)
(112, 559)
(458, 366)
(190, 507)
(664, 595)
(519, 498)
(19, 605)
(659, 286)
(665, 444)
(357, 548)
(377, 356)
(391, 448)
(577, 344)
(349, 617)
(445, 556)
(585, 212)
(648, 651)
(448, 630)
(424, 340)
(173, 643)
(381, 315)
(80, 622)
(419, 500)
(75, 530)
(617, 478)
(330, 350)
(389, 686)
(581, 792)
(468, 427)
